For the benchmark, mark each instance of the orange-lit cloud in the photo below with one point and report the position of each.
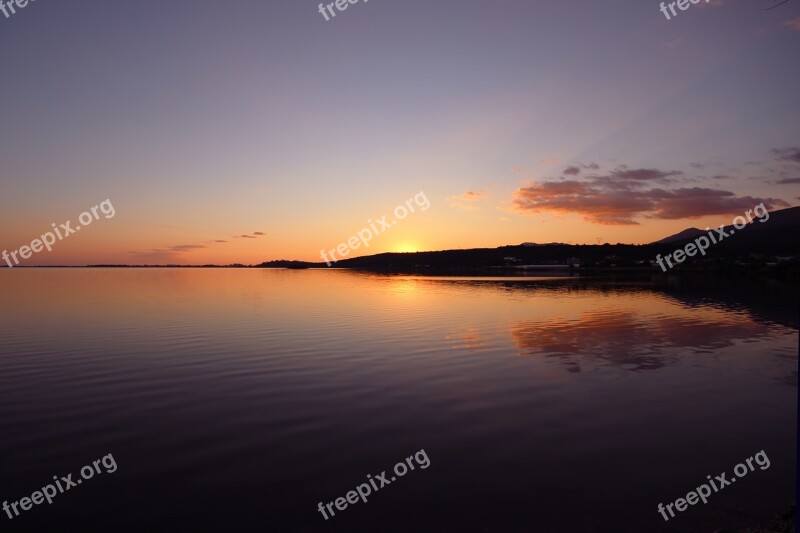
(623, 195)
(467, 200)
(186, 247)
(254, 235)
(793, 23)
(172, 252)
(548, 161)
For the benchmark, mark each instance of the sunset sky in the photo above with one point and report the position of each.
(251, 131)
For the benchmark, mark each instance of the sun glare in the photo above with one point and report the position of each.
(405, 248)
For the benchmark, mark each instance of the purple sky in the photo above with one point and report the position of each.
(207, 120)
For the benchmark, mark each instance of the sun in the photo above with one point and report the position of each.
(405, 248)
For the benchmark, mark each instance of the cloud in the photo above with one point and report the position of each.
(186, 247)
(696, 165)
(467, 200)
(792, 23)
(787, 154)
(788, 181)
(697, 202)
(161, 254)
(575, 197)
(548, 161)
(254, 235)
(645, 174)
(593, 166)
(624, 195)
(571, 171)
(722, 177)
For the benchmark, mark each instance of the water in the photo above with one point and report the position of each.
(236, 400)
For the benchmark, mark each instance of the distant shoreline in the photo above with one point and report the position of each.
(790, 271)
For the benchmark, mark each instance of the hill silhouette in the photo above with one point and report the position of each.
(775, 242)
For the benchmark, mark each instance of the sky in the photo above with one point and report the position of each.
(253, 131)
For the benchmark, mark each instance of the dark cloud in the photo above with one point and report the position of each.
(787, 154)
(592, 166)
(622, 179)
(259, 233)
(697, 202)
(622, 196)
(185, 247)
(162, 254)
(644, 174)
(722, 177)
(696, 165)
(788, 181)
(572, 171)
(244, 237)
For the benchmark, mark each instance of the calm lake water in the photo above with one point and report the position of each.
(237, 400)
